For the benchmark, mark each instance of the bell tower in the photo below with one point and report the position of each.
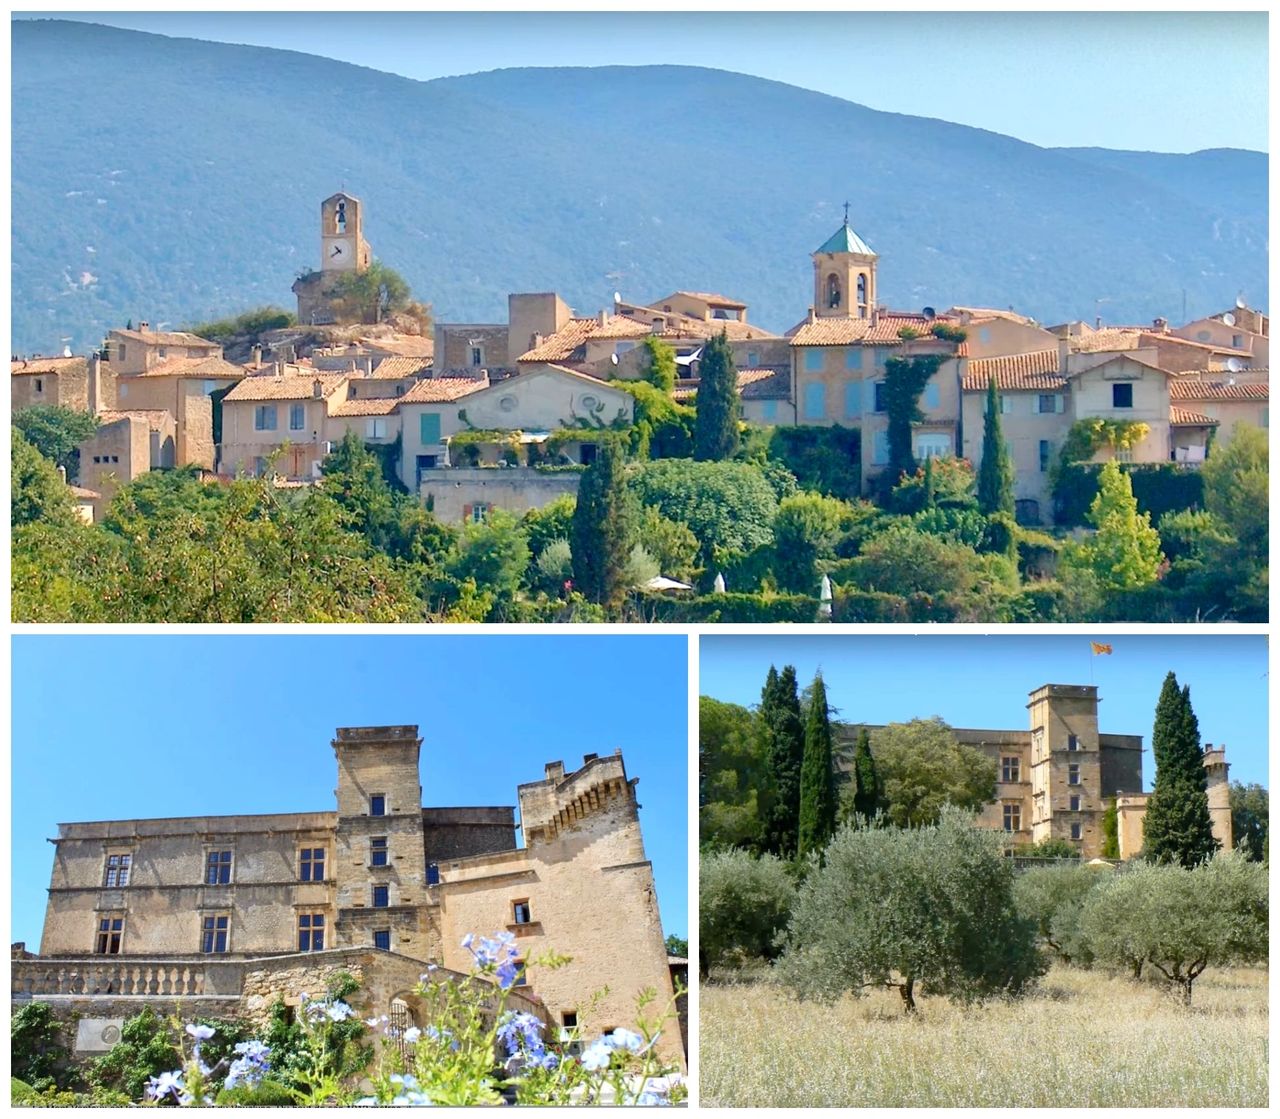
(342, 244)
(844, 275)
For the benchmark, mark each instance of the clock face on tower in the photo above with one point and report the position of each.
(339, 253)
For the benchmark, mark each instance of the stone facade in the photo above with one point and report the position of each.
(468, 493)
(249, 907)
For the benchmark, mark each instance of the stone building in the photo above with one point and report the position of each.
(1055, 779)
(343, 252)
(380, 879)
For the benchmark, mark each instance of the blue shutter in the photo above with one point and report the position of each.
(770, 409)
(813, 360)
(932, 397)
(429, 428)
(853, 400)
(815, 402)
(853, 357)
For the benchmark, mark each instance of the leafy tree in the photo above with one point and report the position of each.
(640, 568)
(36, 1045)
(905, 379)
(677, 946)
(783, 731)
(253, 322)
(552, 571)
(1180, 920)
(660, 363)
(827, 460)
(806, 529)
(369, 296)
(1054, 898)
(1249, 820)
(944, 483)
(866, 786)
(743, 905)
(925, 769)
(1177, 827)
(146, 1048)
(57, 433)
(715, 428)
(554, 521)
(1111, 830)
(494, 554)
(37, 493)
(671, 543)
(735, 786)
(995, 475)
(601, 531)
(896, 908)
(661, 427)
(1236, 490)
(817, 774)
(1124, 552)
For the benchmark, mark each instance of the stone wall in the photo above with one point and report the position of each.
(454, 492)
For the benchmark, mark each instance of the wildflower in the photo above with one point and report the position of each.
(520, 1031)
(625, 1039)
(255, 1050)
(200, 1033)
(338, 1012)
(160, 1086)
(652, 1099)
(507, 973)
(411, 1035)
(406, 1079)
(598, 1055)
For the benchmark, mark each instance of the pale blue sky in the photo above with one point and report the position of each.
(123, 727)
(981, 681)
(1150, 81)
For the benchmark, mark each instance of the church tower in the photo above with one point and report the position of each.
(342, 244)
(844, 275)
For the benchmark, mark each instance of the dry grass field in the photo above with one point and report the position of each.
(1084, 1039)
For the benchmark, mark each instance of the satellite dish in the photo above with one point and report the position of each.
(1234, 364)
(1240, 303)
(1229, 319)
(930, 313)
(617, 297)
(613, 358)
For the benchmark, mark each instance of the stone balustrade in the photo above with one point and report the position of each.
(96, 975)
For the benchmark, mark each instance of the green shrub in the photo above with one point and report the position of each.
(268, 1093)
(35, 1044)
(729, 607)
(743, 906)
(825, 459)
(1158, 488)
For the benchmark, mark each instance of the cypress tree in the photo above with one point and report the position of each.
(1177, 827)
(995, 475)
(718, 407)
(817, 781)
(600, 532)
(780, 722)
(868, 795)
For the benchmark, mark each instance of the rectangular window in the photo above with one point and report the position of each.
(815, 402)
(1122, 395)
(853, 400)
(310, 932)
(520, 912)
(217, 868)
(429, 427)
(377, 805)
(479, 511)
(376, 428)
(1073, 775)
(39, 385)
(117, 871)
(381, 897)
(378, 850)
(433, 874)
(853, 357)
(1075, 804)
(753, 359)
(264, 417)
(882, 356)
(522, 980)
(214, 938)
(297, 417)
(880, 448)
(163, 351)
(933, 445)
(1045, 403)
(312, 864)
(813, 360)
(1073, 743)
(879, 404)
(1013, 817)
(1075, 831)
(122, 349)
(1045, 454)
(110, 932)
(477, 356)
(932, 395)
(382, 939)
(1010, 769)
(770, 409)
(984, 334)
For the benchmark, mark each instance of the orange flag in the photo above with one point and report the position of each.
(1099, 649)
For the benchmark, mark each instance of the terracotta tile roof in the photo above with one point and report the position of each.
(765, 382)
(865, 332)
(577, 332)
(400, 368)
(1192, 389)
(714, 299)
(442, 390)
(1149, 335)
(205, 368)
(80, 491)
(1016, 372)
(1184, 417)
(163, 338)
(978, 314)
(372, 406)
(1110, 338)
(39, 365)
(154, 417)
(295, 386)
(402, 345)
(703, 329)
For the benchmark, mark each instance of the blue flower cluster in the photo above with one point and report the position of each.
(600, 1052)
(409, 1093)
(321, 1010)
(252, 1063)
(521, 1033)
(495, 954)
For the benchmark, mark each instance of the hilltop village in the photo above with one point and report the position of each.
(471, 418)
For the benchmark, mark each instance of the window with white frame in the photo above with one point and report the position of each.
(264, 417)
(117, 870)
(110, 935)
(376, 428)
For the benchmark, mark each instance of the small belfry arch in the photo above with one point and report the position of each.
(834, 296)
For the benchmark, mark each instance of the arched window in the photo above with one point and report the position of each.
(340, 218)
(833, 291)
(862, 293)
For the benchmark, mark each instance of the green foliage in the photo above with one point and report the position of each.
(945, 483)
(146, 1048)
(37, 493)
(743, 906)
(493, 554)
(783, 733)
(266, 1093)
(1111, 830)
(660, 363)
(662, 428)
(254, 322)
(553, 521)
(825, 459)
(1249, 820)
(729, 506)
(806, 530)
(719, 408)
(56, 433)
(1180, 920)
(1158, 488)
(677, 945)
(368, 296)
(736, 788)
(925, 769)
(896, 907)
(1054, 897)
(867, 797)
(995, 476)
(36, 1046)
(905, 379)
(601, 530)
(731, 607)
(1124, 552)
(671, 543)
(948, 333)
(817, 775)
(1177, 827)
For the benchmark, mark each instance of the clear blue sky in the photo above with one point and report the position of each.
(982, 682)
(119, 727)
(1150, 81)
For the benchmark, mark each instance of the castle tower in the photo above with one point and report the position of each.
(342, 244)
(844, 275)
(1219, 791)
(1066, 768)
(379, 860)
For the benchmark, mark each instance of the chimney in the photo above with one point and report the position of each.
(555, 771)
(813, 315)
(279, 367)
(1097, 322)
(1064, 348)
(657, 327)
(95, 384)
(604, 318)
(144, 327)
(1161, 325)
(317, 388)
(255, 354)
(589, 758)
(537, 341)
(62, 473)
(368, 366)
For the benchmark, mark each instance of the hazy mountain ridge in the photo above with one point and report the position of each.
(210, 161)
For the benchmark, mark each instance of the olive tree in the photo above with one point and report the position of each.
(928, 908)
(1054, 898)
(1180, 921)
(743, 904)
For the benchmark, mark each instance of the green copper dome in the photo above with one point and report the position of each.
(844, 240)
